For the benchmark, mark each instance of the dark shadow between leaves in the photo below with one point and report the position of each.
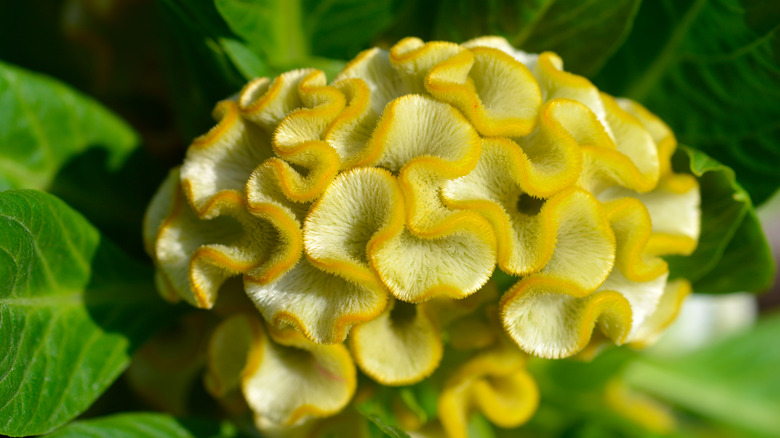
(114, 200)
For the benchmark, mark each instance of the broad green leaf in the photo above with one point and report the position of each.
(73, 308)
(272, 28)
(584, 33)
(733, 254)
(342, 28)
(735, 381)
(59, 140)
(298, 32)
(574, 400)
(709, 68)
(46, 124)
(249, 64)
(201, 70)
(145, 425)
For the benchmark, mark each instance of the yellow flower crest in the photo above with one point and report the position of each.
(364, 218)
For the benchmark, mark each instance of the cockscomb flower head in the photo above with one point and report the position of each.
(364, 218)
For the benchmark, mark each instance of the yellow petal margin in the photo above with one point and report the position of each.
(284, 377)
(401, 347)
(371, 212)
(494, 383)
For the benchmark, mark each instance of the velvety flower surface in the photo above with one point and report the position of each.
(374, 210)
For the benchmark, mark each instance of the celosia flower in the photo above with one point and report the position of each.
(375, 207)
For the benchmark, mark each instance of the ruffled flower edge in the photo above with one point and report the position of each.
(606, 147)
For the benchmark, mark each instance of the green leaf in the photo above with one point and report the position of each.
(376, 412)
(733, 254)
(271, 28)
(73, 308)
(249, 64)
(710, 69)
(59, 140)
(201, 70)
(46, 124)
(734, 381)
(145, 425)
(297, 32)
(584, 33)
(480, 427)
(341, 28)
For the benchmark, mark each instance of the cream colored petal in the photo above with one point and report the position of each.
(349, 133)
(663, 137)
(500, 185)
(493, 189)
(266, 200)
(416, 126)
(228, 352)
(632, 161)
(675, 202)
(583, 234)
(303, 428)
(299, 140)
(373, 67)
(285, 384)
(320, 105)
(400, 347)
(665, 313)
(418, 269)
(633, 141)
(165, 288)
(179, 236)
(159, 208)
(320, 305)
(675, 214)
(632, 226)
(413, 60)
(556, 83)
(550, 318)
(495, 383)
(554, 148)
(218, 164)
(362, 208)
(643, 297)
(674, 207)
(421, 183)
(266, 103)
(428, 142)
(196, 256)
(500, 43)
(498, 94)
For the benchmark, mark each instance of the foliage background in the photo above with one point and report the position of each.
(99, 98)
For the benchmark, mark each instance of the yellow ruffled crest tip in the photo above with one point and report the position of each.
(363, 219)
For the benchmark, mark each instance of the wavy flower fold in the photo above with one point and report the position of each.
(374, 209)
